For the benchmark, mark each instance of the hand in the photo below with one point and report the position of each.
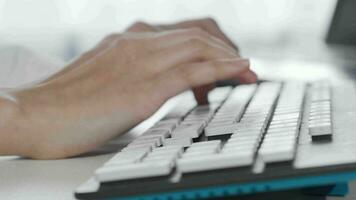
(121, 84)
(206, 24)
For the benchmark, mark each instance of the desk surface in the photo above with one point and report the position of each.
(56, 179)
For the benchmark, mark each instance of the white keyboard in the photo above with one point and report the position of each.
(246, 128)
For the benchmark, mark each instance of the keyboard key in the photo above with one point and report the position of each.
(203, 147)
(155, 141)
(162, 133)
(220, 129)
(182, 141)
(320, 123)
(166, 126)
(188, 130)
(127, 157)
(214, 161)
(132, 171)
(277, 153)
(219, 94)
(142, 147)
(174, 121)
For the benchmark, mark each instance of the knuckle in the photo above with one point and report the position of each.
(132, 48)
(198, 32)
(209, 20)
(127, 42)
(215, 64)
(140, 26)
(213, 69)
(197, 44)
(185, 74)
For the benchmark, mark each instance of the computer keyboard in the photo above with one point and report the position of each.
(245, 135)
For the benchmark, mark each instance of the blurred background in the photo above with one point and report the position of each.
(282, 30)
(65, 28)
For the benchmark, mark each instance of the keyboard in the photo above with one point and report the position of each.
(249, 138)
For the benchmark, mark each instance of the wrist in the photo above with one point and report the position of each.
(10, 115)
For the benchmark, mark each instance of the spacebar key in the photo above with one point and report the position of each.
(132, 171)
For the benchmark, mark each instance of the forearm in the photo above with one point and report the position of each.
(56, 121)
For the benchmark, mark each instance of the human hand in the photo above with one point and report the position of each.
(126, 81)
(207, 25)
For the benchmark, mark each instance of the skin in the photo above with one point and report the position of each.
(114, 86)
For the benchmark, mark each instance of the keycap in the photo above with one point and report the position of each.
(319, 122)
(174, 121)
(183, 141)
(142, 147)
(168, 156)
(219, 94)
(167, 126)
(202, 148)
(215, 143)
(162, 133)
(159, 162)
(158, 138)
(188, 130)
(220, 129)
(127, 157)
(277, 153)
(181, 110)
(132, 171)
(214, 161)
(320, 129)
(154, 141)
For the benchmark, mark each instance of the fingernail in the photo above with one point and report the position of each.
(244, 61)
(240, 61)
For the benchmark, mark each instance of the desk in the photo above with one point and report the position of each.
(56, 180)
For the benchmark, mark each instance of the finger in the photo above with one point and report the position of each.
(197, 31)
(199, 25)
(191, 50)
(212, 27)
(141, 27)
(198, 74)
(201, 93)
(246, 78)
(207, 24)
